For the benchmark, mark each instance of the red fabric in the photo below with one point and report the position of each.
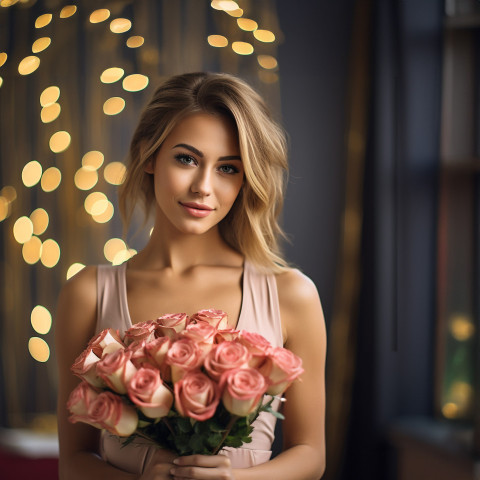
(16, 467)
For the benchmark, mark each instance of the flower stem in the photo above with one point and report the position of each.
(167, 423)
(231, 423)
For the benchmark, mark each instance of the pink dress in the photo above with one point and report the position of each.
(259, 313)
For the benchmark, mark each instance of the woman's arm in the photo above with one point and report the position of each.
(79, 443)
(303, 457)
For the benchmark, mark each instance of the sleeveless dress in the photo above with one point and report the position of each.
(259, 313)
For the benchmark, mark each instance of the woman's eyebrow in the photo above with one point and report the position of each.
(196, 151)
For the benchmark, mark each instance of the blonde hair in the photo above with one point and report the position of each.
(251, 227)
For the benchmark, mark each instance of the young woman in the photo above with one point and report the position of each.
(208, 163)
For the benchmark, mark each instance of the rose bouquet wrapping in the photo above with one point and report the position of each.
(189, 384)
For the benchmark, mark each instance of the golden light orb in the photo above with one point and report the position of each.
(237, 13)
(462, 327)
(32, 250)
(9, 193)
(93, 160)
(450, 410)
(60, 141)
(92, 199)
(39, 349)
(7, 3)
(43, 20)
(120, 25)
(113, 106)
(31, 173)
(50, 113)
(267, 61)
(68, 11)
(265, 36)
(1, 81)
(28, 65)
(225, 5)
(217, 41)
(111, 75)
(73, 269)
(106, 215)
(99, 15)
(242, 48)
(3, 58)
(41, 44)
(247, 24)
(114, 173)
(40, 220)
(23, 230)
(135, 82)
(51, 179)
(49, 96)
(135, 41)
(85, 178)
(122, 256)
(112, 247)
(4, 208)
(41, 319)
(50, 253)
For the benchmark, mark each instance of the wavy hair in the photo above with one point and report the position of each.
(251, 227)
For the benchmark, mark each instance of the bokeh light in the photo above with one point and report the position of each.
(238, 12)
(60, 141)
(41, 44)
(40, 220)
(114, 173)
(31, 173)
(99, 15)
(4, 208)
(23, 229)
(50, 253)
(247, 24)
(106, 215)
(92, 160)
(462, 327)
(74, 269)
(68, 11)
(92, 199)
(217, 41)
(242, 48)
(120, 25)
(225, 5)
(267, 61)
(112, 247)
(135, 82)
(113, 106)
(43, 20)
(264, 36)
(135, 41)
(32, 250)
(28, 65)
(39, 349)
(85, 178)
(3, 58)
(123, 255)
(111, 75)
(9, 193)
(51, 179)
(50, 113)
(41, 319)
(49, 96)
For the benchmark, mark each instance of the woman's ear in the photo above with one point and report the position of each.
(149, 165)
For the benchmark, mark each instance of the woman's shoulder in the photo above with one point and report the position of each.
(295, 287)
(82, 287)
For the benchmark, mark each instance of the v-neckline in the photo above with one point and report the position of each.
(124, 301)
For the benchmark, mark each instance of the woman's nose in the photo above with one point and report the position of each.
(202, 183)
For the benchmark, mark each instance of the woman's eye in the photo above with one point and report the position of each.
(229, 169)
(185, 159)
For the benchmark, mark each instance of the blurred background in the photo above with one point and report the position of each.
(381, 100)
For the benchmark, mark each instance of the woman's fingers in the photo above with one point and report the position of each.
(202, 467)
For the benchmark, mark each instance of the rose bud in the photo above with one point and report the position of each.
(226, 356)
(183, 356)
(146, 390)
(108, 340)
(170, 324)
(85, 367)
(217, 318)
(79, 401)
(196, 396)
(201, 333)
(116, 369)
(157, 351)
(227, 335)
(257, 345)
(139, 353)
(139, 332)
(111, 413)
(281, 368)
(243, 389)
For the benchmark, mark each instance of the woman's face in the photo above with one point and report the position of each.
(198, 173)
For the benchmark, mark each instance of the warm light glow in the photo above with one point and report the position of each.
(50, 253)
(4, 208)
(43, 20)
(113, 106)
(3, 58)
(60, 141)
(120, 25)
(41, 44)
(268, 76)
(74, 269)
(51, 179)
(7, 3)
(135, 82)
(50, 113)
(450, 410)
(264, 36)
(9, 193)
(238, 12)
(28, 65)
(99, 15)
(92, 160)
(267, 61)
(217, 40)
(68, 11)
(1, 81)
(461, 327)
(32, 250)
(122, 256)
(23, 230)
(92, 199)
(31, 173)
(111, 75)
(106, 215)
(114, 173)
(247, 24)
(40, 220)
(41, 320)
(226, 5)
(135, 41)
(39, 349)
(49, 96)
(242, 48)
(112, 247)
(99, 207)
(85, 178)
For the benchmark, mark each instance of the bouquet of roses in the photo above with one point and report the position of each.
(189, 384)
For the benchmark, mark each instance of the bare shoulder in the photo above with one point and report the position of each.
(295, 288)
(82, 286)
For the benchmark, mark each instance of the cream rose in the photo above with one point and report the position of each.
(143, 331)
(217, 318)
(257, 345)
(202, 333)
(85, 367)
(183, 356)
(107, 341)
(157, 351)
(226, 356)
(171, 324)
(79, 401)
(226, 335)
(117, 369)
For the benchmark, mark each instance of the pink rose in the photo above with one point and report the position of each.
(139, 332)
(117, 370)
(243, 389)
(226, 356)
(157, 351)
(226, 335)
(170, 324)
(107, 341)
(196, 396)
(146, 390)
(183, 356)
(111, 413)
(256, 344)
(202, 333)
(139, 353)
(79, 401)
(217, 318)
(85, 367)
(281, 368)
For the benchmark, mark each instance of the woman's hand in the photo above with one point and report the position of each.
(159, 466)
(206, 467)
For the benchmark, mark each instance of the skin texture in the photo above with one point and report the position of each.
(185, 267)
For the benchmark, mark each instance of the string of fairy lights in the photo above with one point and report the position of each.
(31, 230)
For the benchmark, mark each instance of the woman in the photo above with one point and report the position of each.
(208, 163)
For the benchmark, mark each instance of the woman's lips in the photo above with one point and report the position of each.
(197, 209)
